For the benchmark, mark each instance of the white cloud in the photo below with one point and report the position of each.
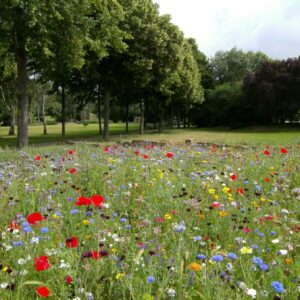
(271, 26)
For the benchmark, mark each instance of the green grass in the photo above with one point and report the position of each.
(256, 135)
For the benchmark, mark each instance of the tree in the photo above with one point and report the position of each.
(234, 65)
(272, 92)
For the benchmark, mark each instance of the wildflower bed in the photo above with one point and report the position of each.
(150, 222)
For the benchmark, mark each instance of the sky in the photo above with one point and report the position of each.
(270, 26)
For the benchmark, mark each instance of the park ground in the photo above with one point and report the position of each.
(90, 133)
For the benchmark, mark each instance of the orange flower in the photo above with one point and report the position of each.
(223, 213)
(195, 267)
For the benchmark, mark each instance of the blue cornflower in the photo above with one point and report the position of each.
(150, 279)
(18, 244)
(257, 260)
(232, 256)
(218, 258)
(273, 233)
(27, 229)
(201, 256)
(123, 220)
(44, 230)
(88, 213)
(128, 226)
(197, 238)
(278, 287)
(264, 267)
(179, 227)
(74, 211)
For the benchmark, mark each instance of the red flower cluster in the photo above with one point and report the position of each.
(43, 291)
(72, 171)
(34, 218)
(283, 150)
(97, 200)
(169, 155)
(41, 263)
(72, 242)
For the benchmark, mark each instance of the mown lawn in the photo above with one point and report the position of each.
(253, 136)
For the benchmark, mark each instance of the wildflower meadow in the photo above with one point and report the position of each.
(150, 222)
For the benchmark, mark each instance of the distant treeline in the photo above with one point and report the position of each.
(121, 60)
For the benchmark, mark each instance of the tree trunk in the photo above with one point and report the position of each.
(106, 112)
(161, 117)
(142, 116)
(63, 112)
(127, 115)
(22, 78)
(99, 111)
(178, 118)
(43, 114)
(172, 115)
(12, 109)
(12, 122)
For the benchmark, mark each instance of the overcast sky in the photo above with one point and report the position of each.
(271, 26)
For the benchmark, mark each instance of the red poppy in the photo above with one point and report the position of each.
(146, 156)
(283, 150)
(71, 152)
(83, 201)
(214, 148)
(216, 204)
(68, 279)
(38, 157)
(247, 230)
(95, 255)
(72, 242)
(267, 152)
(43, 291)
(72, 171)
(106, 149)
(41, 263)
(240, 191)
(267, 180)
(233, 177)
(159, 220)
(169, 155)
(34, 218)
(137, 152)
(97, 200)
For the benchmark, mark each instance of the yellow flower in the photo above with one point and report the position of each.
(120, 276)
(86, 222)
(211, 191)
(168, 216)
(216, 197)
(226, 189)
(113, 250)
(88, 237)
(288, 261)
(201, 216)
(246, 250)
(223, 213)
(195, 267)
